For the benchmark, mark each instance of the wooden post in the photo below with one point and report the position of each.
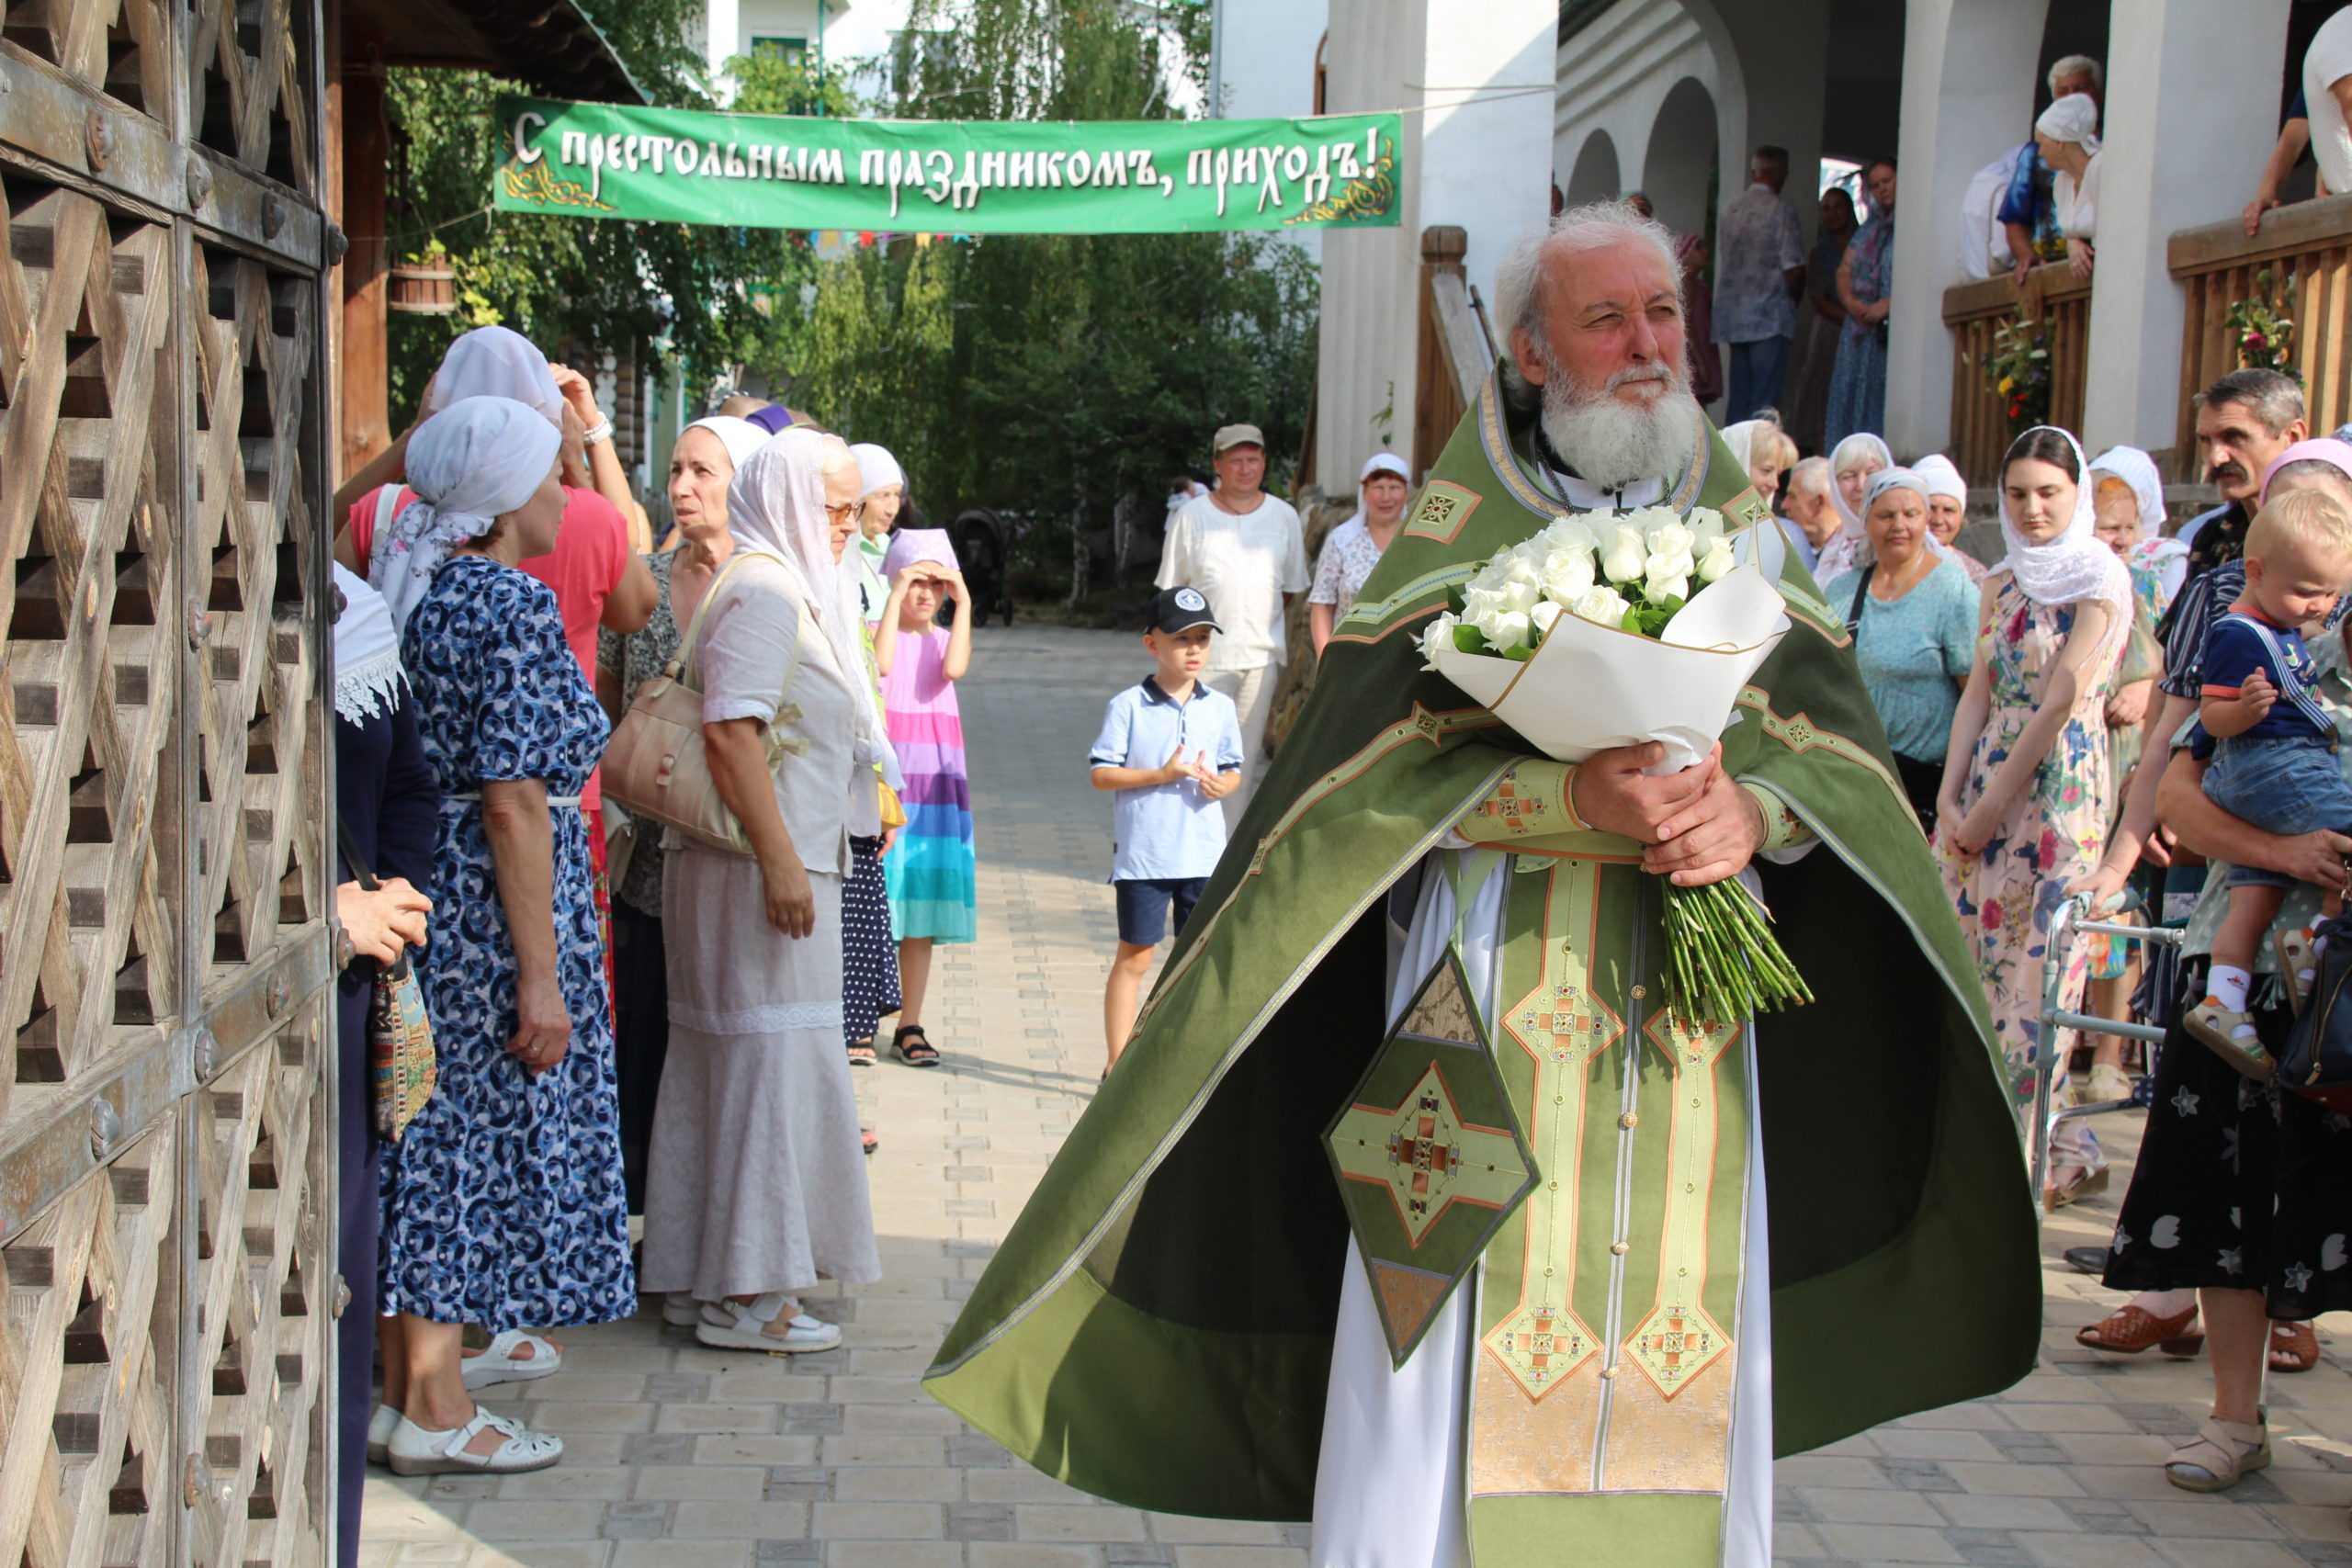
(365, 368)
(1437, 398)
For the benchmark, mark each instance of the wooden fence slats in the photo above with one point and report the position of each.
(165, 1006)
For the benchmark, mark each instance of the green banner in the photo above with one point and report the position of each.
(960, 177)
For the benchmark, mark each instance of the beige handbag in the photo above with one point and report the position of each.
(655, 765)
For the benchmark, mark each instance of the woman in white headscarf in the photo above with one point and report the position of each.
(1764, 452)
(503, 1203)
(1851, 464)
(2026, 794)
(756, 1190)
(702, 464)
(1948, 512)
(881, 494)
(2067, 137)
(1913, 617)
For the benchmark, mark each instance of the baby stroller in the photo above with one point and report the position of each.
(985, 556)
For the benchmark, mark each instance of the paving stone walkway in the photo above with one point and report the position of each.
(681, 1456)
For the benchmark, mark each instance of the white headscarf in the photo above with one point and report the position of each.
(368, 674)
(776, 504)
(739, 436)
(2135, 468)
(2074, 565)
(1941, 477)
(1740, 437)
(475, 459)
(496, 362)
(1893, 478)
(876, 469)
(2071, 119)
(1849, 547)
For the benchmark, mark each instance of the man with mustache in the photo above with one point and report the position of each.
(1412, 1040)
(2244, 421)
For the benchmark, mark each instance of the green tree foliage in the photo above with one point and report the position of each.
(1054, 374)
(716, 296)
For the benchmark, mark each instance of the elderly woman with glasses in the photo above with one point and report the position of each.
(756, 1188)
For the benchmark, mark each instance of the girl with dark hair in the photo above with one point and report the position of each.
(2026, 794)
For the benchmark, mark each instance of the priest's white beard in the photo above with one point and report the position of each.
(1611, 443)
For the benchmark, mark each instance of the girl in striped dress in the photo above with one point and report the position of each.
(932, 877)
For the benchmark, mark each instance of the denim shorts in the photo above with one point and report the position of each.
(1143, 907)
(2284, 786)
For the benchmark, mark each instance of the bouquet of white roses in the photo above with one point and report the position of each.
(1614, 629)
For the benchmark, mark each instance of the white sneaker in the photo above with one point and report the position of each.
(380, 1434)
(680, 1310)
(414, 1450)
(739, 1325)
(500, 1364)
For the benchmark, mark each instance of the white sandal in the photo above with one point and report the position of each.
(416, 1451)
(2223, 1453)
(380, 1434)
(742, 1325)
(680, 1310)
(500, 1364)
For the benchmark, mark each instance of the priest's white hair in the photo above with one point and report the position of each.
(1519, 277)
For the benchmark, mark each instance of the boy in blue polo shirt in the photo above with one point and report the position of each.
(1170, 747)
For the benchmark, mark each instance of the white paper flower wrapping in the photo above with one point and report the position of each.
(1590, 687)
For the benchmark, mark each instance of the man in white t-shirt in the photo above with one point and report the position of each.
(1245, 551)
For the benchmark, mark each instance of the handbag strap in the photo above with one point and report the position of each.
(387, 506)
(682, 659)
(1854, 610)
(359, 866)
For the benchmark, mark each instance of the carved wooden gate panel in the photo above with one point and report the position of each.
(166, 1111)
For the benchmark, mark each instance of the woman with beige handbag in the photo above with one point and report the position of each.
(702, 464)
(755, 1189)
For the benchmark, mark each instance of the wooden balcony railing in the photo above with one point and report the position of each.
(1980, 420)
(1455, 356)
(2307, 249)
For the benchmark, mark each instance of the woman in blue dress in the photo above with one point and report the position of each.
(1857, 386)
(504, 1203)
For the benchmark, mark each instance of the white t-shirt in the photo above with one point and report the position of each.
(2328, 62)
(1243, 565)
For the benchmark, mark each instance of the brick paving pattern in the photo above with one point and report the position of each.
(682, 1456)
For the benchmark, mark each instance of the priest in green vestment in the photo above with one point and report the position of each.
(1409, 1210)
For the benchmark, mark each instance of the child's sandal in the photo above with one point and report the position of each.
(2232, 1037)
(913, 1047)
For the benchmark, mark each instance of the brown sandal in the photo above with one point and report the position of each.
(2294, 1348)
(2129, 1330)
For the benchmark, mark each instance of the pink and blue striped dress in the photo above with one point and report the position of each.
(933, 876)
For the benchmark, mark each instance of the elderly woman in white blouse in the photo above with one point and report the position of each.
(1355, 547)
(2067, 138)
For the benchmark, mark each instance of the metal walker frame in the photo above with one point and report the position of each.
(2068, 923)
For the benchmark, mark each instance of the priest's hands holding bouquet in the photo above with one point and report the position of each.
(1698, 826)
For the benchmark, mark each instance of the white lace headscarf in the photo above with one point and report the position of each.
(368, 674)
(776, 504)
(477, 458)
(496, 362)
(2073, 565)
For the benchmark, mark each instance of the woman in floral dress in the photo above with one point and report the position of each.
(2027, 793)
(503, 1203)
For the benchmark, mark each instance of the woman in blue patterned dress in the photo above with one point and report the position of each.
(504, 1203)
(1857, 386)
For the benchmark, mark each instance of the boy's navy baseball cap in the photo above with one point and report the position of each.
(1180, 608)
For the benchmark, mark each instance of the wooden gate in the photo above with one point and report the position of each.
(166, 1117)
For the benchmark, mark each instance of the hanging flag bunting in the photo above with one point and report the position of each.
(994, 178)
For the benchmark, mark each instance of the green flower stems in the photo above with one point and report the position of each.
(1723, 961)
